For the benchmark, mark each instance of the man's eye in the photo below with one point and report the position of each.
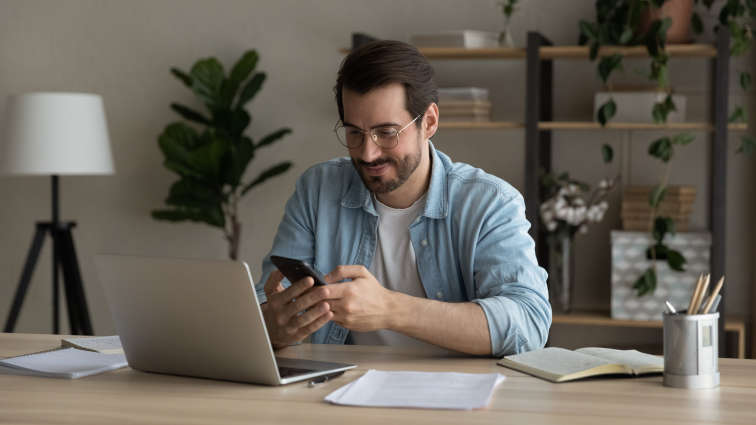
(385, 132)
(353, 131)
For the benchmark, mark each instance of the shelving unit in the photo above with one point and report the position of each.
(539, 56)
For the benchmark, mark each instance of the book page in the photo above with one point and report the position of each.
(101, 344)
(634, 359)
(554, 363)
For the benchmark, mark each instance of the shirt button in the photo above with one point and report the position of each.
(424, 242)
(439, 295)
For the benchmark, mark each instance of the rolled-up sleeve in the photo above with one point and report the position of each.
(510, 287)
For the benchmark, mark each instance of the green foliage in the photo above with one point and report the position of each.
(606, 112)
(646, 283)
(211, 156)
(661, 110)
(607, 153)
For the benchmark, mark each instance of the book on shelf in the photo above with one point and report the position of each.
(560, 365)
(455, 94)
(100, 344)
(665, 208)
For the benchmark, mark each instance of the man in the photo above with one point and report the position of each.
(419, 249)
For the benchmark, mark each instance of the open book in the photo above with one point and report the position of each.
(559, 365)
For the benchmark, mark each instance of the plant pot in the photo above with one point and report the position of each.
(680, 11)
(629, 262)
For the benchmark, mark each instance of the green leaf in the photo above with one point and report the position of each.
(190, 114)
(661, 148)
(646, 283)
(607, 153)
(208, 157)
(176, 142)
(593, 51)
(250, 89)
(192, 193)
(273, 137)
(627, 36)
(696, 23)
(657, 251)
(657, 196)
(240, 120)
(588, 29)
(242, 70)
(208, 79)
(607, 111)
(676, 260)
(738, 115)
(183, 76)
(237, 160)
(747, 145)
(273, 171)
(745, 80)
(607, 65)
(662, 226)
(683, 139)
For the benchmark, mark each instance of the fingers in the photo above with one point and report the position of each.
(307, 300)
(346, 272)
(273, 284)
(314, 325)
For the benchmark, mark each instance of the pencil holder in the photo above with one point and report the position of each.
(691, 352)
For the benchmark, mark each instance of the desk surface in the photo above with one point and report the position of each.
(128, 396)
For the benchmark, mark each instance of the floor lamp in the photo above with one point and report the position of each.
(54, 134)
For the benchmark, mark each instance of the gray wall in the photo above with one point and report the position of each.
(124, 49)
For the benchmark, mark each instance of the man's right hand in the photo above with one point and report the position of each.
(293, 313)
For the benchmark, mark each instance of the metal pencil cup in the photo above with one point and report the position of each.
(691, 352)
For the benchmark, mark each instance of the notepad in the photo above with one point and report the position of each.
(64, 363)
(100, 344)
(429, 390)
(560, 365)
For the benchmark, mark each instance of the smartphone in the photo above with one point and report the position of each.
(295, 270)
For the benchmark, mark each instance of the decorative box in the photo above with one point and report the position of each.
(629, 262)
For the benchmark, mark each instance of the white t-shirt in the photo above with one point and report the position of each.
(395, 267)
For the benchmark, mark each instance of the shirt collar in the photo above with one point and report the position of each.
(436, 204)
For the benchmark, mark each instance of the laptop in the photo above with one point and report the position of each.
(197, 318)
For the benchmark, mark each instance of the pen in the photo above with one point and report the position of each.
(714, 293)
(670, 307)
(324, 378)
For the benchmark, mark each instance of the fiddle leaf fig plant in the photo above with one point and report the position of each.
(209, 150)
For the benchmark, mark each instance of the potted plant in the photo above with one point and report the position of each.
(211, 155)
(620, 22)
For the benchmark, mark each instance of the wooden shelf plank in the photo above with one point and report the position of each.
(602, 318)
(592, 125)
(482, 125)
(587, 125)
(561, 52)
(582, 52)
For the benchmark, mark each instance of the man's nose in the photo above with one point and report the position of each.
(369, 151)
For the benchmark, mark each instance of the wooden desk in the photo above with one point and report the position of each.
(128, 396)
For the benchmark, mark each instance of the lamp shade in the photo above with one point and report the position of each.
(55, 134)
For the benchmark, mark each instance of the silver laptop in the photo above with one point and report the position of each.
(197, 318)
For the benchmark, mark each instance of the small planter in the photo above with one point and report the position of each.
(629, 262)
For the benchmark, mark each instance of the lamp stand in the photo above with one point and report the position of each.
(64, 258)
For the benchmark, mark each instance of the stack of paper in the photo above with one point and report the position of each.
(66, 363)
(430, 390)
(100, 344)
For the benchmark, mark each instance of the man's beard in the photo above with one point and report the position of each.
(404, 169)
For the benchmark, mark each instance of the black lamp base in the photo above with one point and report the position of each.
(64, 258)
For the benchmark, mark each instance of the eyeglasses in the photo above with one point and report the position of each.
(386, 137)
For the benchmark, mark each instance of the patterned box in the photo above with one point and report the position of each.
(629, 262)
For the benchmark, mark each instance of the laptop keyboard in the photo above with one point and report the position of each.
(286, 372)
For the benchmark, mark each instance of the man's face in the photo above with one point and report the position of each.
(383, 170)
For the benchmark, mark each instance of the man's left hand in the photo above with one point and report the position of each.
(361, 304)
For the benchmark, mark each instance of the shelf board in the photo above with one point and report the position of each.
(587, 125)
(481, 125)
(602, 318)
(561, 52)
(592, 125)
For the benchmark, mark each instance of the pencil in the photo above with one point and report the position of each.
(701, 294)
(695, 293)
(713, 295)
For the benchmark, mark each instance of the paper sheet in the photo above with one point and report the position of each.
(429, 390)
(64, 363)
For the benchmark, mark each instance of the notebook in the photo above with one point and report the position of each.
(99, 344)
(559, 365)
(64, 363)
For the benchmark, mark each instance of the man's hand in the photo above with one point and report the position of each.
(363, 304)
(293, 313)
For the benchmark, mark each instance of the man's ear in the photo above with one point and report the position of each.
(430, 121)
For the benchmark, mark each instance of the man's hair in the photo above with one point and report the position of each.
(383, 62)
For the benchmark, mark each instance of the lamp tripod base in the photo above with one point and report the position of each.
(64, 258)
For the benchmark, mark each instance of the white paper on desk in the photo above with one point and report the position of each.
(64, 363)
(430, 390)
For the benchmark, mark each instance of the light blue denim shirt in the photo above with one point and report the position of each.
(471, 244)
